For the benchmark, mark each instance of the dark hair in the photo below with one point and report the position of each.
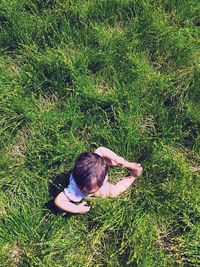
(89, 171)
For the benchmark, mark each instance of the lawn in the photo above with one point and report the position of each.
(76, 75)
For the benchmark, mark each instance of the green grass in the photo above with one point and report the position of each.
(76, 75)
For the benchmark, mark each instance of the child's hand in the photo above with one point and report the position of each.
(133, 166)
(83, 208)
(137, 171)
(136, 168)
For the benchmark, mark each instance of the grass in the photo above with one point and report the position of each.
(76, 75)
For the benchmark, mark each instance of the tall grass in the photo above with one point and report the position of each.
(76, 75)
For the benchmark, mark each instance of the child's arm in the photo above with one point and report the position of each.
(63, 203)
(116, 160)
(111, 190)
(108, 154)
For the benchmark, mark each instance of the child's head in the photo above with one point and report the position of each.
(89, 172)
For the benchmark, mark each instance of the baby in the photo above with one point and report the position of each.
(89, 177)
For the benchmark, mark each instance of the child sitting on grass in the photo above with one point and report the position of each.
(89, 177)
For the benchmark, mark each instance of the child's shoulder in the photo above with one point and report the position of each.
(72, 191)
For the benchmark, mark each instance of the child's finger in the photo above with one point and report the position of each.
(138, 165)
(84, 209)
(86, 204)
(87, 208)
(140, 170)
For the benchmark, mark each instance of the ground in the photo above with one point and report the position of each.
(76, 75)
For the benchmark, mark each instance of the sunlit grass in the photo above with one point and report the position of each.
(76, 75)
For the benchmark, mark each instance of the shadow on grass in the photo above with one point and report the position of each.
(56, 187)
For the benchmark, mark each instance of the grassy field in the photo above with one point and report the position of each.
(76, 75)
